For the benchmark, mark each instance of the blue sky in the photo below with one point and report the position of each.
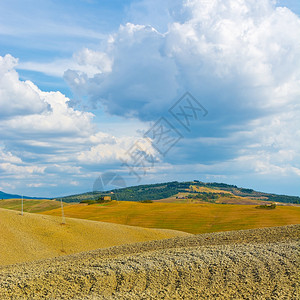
(84, 85)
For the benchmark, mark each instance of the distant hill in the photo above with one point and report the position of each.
(31, 205)
(12, 196)
(168, 189)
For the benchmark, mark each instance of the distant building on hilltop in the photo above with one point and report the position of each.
(105, 198)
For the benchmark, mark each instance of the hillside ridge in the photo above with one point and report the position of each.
(168, 189)
(4, 195)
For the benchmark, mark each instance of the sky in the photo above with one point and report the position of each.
(146, 91)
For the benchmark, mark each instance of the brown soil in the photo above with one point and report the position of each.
(249, 264)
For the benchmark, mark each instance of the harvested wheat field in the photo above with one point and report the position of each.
(31, 205)
(192, 218)
(32, 236)
(249, 264)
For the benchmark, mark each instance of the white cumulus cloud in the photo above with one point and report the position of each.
(44, 139)
(17, 97)
(241, 55)
(240, 59)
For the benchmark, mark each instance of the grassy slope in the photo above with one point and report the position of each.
(33, 236)
(32, 206)
(170, 189)
(227, 198)
(193, 218)
(220, 200)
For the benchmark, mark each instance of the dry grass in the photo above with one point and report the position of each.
(208, 190)
(33, 206)
(32, 236)
(221, 200)
(192, 218)
(229, 199)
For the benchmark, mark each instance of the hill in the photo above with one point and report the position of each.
(12, 196)
(250, 264)
(192, 218)
(32, 237)
(171, 189)
(30, 205)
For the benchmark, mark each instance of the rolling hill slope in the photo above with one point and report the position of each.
(33, 237)
(168, 189)
(192, 218)
(251, 264)
(30, 205)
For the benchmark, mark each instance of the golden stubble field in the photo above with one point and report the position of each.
(30, 205)
(224, 197)
(145, 263)
(32, 236)
(192, 218)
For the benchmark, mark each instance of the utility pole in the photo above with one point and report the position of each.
(62, 212)
(22, 205)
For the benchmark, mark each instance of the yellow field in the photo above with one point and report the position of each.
(33, 206)
(192, 218)
(33, 236)
(228, 198)
(208, 190)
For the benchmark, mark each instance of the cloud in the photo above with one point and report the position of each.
(43, 139)
(156, 13)
(123, 149)
(17, 97)
(19, 171)
(9, 157)
(85, 61)
(35, 185)
(139, 74)
(240, 59)
(237, 57)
